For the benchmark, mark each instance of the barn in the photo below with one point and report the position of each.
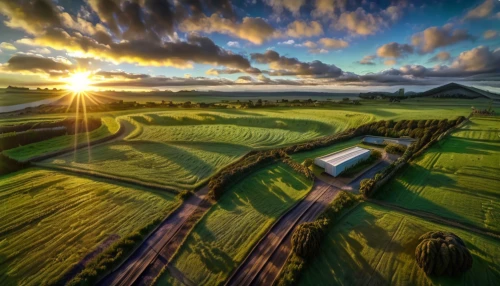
(336, 163)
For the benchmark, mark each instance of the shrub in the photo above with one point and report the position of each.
(376, 154)
(395, 148)
(442, 253)
(308, 162)
(366, 187)
(306, 238)
(183, 195)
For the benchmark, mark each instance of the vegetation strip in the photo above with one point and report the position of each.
(90, 173)
(307, 238)
(439, 219)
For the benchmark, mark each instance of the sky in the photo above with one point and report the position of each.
(261, 45)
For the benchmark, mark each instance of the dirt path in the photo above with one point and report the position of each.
(271, 251)
(152, 248)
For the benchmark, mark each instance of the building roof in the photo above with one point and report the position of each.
(342, 156)
(453, 85)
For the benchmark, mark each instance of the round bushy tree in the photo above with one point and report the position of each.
(442, 253)
(306, 239)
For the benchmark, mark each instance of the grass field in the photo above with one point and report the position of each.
(458, 178)
(179, 166)
(183, 148)
(224, 236)
(24, 97)
(50, 221)
(375, 246)
(24, 153)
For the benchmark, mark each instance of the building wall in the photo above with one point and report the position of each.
(336, 170)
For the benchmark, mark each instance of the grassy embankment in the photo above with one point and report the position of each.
(225, 235)
(457, 178)
(376, 246)
(25, 153)
(50, 221)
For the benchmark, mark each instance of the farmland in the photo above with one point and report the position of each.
(457, 178)
(24, 153)
(375, 245)
(183, 147)
(52, 220)
(223, 237)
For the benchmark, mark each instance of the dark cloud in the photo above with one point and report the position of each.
(285, 66)
(437, 37)
(36, 64)
(394, 50)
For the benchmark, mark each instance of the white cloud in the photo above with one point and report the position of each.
(7, 46)
(233, 44)
(289, 42)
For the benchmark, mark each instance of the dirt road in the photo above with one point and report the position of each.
(272, 250)
(136, 264)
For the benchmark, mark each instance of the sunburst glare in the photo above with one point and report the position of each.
(79, 81)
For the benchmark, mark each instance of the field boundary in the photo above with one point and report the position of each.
(91, 173)
(42, 157)
(438, 219)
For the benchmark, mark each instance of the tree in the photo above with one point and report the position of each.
(306, 239)
(308, 162)
(442, 253)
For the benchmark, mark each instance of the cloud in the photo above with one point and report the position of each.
(318, 51)
(360, 22)
(285, 66)
(367, 60)
(390, 62)
(300, 29)
(440, 57)
(118, 74)
(437, 37)
(490, 34)
(479, 59)
(41, 51)
(394, 50)
(233, 44)
(254, 30)
(291, 5)
(32, 16)
(232, 71)
(289, 42)
(196, 49)
(8, 46)
(481, 11)
(37, 64)
(329, 43)
(327, 7)
(307, 44)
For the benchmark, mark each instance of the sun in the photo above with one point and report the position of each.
(79, 81)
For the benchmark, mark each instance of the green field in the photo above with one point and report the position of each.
(183, 148)
(375, 246)
(27, 152)
(9, 98)
(50, 221)
(224, 236)
(458, 178)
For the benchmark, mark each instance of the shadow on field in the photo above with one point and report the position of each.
(259, 190)
(433, 179)
(5, 278)
(396, 193)
(465, 147)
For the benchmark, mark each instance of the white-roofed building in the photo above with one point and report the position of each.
(337, 162)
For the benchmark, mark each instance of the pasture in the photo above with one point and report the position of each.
(224, 236)
(49, 221)
(22, 97)
(457, 178)
(373, 245)
(27, 152)
(183, 148)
